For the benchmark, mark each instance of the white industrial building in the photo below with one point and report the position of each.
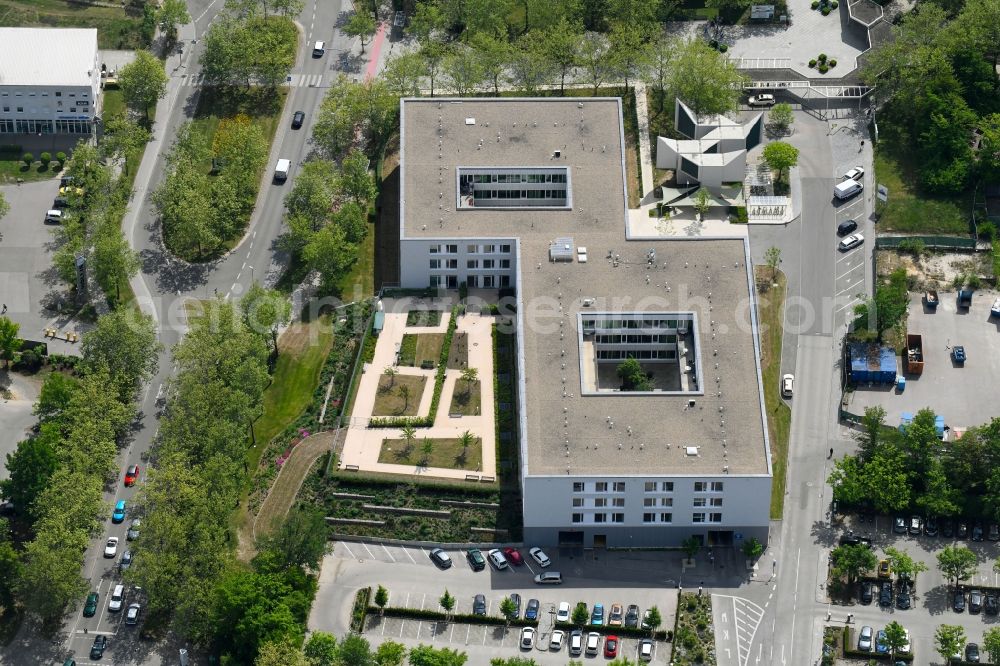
(49, 80)
(529, 194)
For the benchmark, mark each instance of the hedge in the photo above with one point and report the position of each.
(629, 632)
(458, 486)
(427, 614)
(361, 600)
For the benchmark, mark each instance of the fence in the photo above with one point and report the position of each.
(930, 242)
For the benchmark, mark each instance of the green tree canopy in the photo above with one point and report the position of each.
(852, 560)
(957, 562)
(781, 156)
(143, 81)
(949, 640)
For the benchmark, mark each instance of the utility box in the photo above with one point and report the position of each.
(914, 354)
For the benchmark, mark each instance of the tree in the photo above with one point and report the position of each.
(55, 395)
(9, 342)
(633, 376)
(988, 157)
(404, 393)
(300, 541)
(593, 58)
(381, 598)
(321, 649)
(143, 81)
(409, 433)
(513, 661)
(957, 562)
(50, 575)
(466, 439)
(361, 25)
(124, 341)
(772, 257)
(903, 564)
(562, 49)
(463, 71)
(508, 609)
(432, 54)
(886, 480)
(659, 66)
(781, 156)
(702, 201)
(330, 253)
(425, 655)
(991, 643)
(871, 433)
(470, 376)
(402, 73)
(781, 116)
(30, 467)
(852, 561)
(123, 138)
(949, 640)
(447, 602)
(171, 14)
(752, 548)
(10, 570)
(895, 637)
(704, 79)
(690, 546)
(354, 650)
(390, 653)
(280, 653)
(356, 181)
(529, 65)
(4, 206)
(311, 198)
(887, 309)
(493, 54)
(580, 615)
(113, 259)
(265, 311)
(391, 373)
(426, 450)
(654, 619)
(627, 49)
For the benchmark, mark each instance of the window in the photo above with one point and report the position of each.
(666, 517)
(472, 249)
(715, 501)
(577, 517)
(619, 486)
(505, 263)
(578, 486)
(451, 249)
(666, 501)
(600, 517)
(20, 109)
(649, 517)
(601, 487)
(699, 501)
(6, 109)
(487, 263)
(435, 263)
(618, 517)
(73, 110)
(452, 263)
(650, 487)
(58, 94)
(715, 517)
(434, 249)
(600, 502)
(505, 249)
(649, 501)
(700, 486)
(577, 502)
(716, 486)
(698, 518)
(472, 263)
(618, 502)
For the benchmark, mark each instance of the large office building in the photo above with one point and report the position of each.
(530, 195)
(49, 80)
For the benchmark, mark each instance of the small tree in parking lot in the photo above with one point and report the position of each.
(447, 602)
(580, 615)
(852, 560)
(690, 546)
(991, 643)
(752, 548)
(895, 637)
(903, 564)
(781, 116)
(507, 609)
(381, 598)
(654, 619)
(949, 640)
(957, 562)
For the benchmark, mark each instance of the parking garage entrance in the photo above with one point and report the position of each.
(720, 538)
(571, 543)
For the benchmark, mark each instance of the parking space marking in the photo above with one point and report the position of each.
(348, 550)
(851, 269)
(407, 552)
(370, 553)
(388, 553)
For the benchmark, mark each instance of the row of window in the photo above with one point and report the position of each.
(45, 94)
(487, 263)
(473, 281)
(520, 194)
(637, 339)
(598, 502)
(600, 518)
(647, 486)
(632, 323)
(663, 518)
(647, 502)
(669, 518)
(9, 126)
(471, 249)
(84, 106)
(515, 178)
(638, 354)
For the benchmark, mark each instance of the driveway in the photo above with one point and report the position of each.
(16, 418)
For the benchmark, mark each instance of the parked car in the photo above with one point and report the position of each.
(846, 227)
(977, 531)
(852, 539)
(99, 646)
(787, 385)
(993, 532)
(531, 610)
(616, 617)
(611, 647)
(916, 525)
(906, 647)
(90, 607)
(298, 118)
(865, 639)
(476, 559)
(479, 605)
(931, 526)
(515, 599)
(132, 614)
(958, 354)
(513, 556)
(133, 529)
(947, 529)
(958, 601)
(899, 525)
(646, 624)
(562, 613)
(975, 601)
(440, 558)
(118, 515)
(131, 475)
(527, 638)
(556, 642)
(764, 99)
(111, 547)
(597, 617)
(857, 173)
(632, 616)
(117, 598)
(885, 594)
(990, 604)
(539, 556)
(881, 647)
(54, 216)
(903, 601)
(645, 650)
(593, 643)
(575, 643)
(866, 592)
(851, 242)
(497, 559)
(548, 578)
(884, 569)
(126, 561)
(972, 653)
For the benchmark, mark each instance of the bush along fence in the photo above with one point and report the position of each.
(358, 611)
(929, 242)
(427, 421)
(427, 614)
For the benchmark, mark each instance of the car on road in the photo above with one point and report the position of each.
(118, 515)
(117, 598)
(975, 601)
(857, 173)
(126, 561)
(555, 643)
(531, 610)
(616, 617)
(958, 356)
(476, 559)
(60, 202)
(846, 227)
(527, 638)
(548, 578)
(111, 547)
(632, 616)
(539, 556)
(611, 647)
(298, 118)
(90, 607)
(593, 643)
(787, 384)
(513, 556)
(562, 613)
(866, 592)
(645, 650)
(851, 242)
(133, 530)
(972, 653)
(990, 604)
(881, 646)
(575, 643)
(497, 559)
(132, 614)
(916, 525)
(995, 308)
(99, 646)
(440, 558)
(958, 601)
(885, 594)
(131, 475)
(884, 569)
(865, 639)
(515, 599)
(764, 99)
(319, 48)
(597, 617)
(931, 526)
(899, 525)
(977, 531)
(479, 605)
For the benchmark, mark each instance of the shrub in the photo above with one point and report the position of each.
(822, 57)
(826, 11)
(823, 68)
(833, 62)
(45, 158)
(834, 4)
(815, 4)
(812, 63)
(61, 156)
(28, 159)
(987, 231)
(972, 281)
(723, 48)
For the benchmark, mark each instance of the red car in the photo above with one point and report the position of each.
(131, 475)
(514, 556)
(611, 646)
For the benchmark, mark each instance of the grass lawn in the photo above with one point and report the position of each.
(12, 167)
(458, 355)
(302, 350)
(911, 211)
(359, 283)
(117, 27)
(419, 347)
(390, 399)
(443, 453)
(423, 318)
(262, 106)
(661, 123)
(466, 399)
(779, 416)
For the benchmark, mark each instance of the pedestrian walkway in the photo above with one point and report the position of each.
(645, 150)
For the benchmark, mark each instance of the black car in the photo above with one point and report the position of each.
(962, 531)
(516, 598)
(479, 605)
(947, 529)
(931, 526)
(903, 601)
(441, 558)
(99, 646)
(958, 603)
(972, 653)
(846, 227)
(975, 601)
(297, 119)
(977, 531)
(632, 616)
(885, 594)
(852, 539)
(531, 610)
(958, 354)
(866, 592)
(476, 559)
(990, 604)
(904, 584)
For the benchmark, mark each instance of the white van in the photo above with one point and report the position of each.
(593, 643)
(54, 215)
(847, 189)
(319, 48)
(117, 598)
(281, 170)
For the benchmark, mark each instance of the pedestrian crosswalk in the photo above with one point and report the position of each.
(293, 80)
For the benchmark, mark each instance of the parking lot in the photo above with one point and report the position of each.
(951, 390)
(413, 581)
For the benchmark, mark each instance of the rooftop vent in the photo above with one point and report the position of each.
(470, 121)
(556, 153)
(691, 450)
(561, 249)
(588, 302)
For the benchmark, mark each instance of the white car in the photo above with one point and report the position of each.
(319, 48)
(787, 381)
(132, 614)
(111, 548)
(527, 638)
(765, 99)
(995, 310)
(865, 639)
(117, 598)
(497, 559)
(538, 555)
(562, 615)
(557, 640)
(905, 649)
(851, 241)
(593, 642)
(645, 650)
(857, 173)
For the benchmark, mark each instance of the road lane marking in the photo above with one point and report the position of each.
(206, 11)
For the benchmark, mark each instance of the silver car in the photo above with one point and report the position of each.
(865, 639)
